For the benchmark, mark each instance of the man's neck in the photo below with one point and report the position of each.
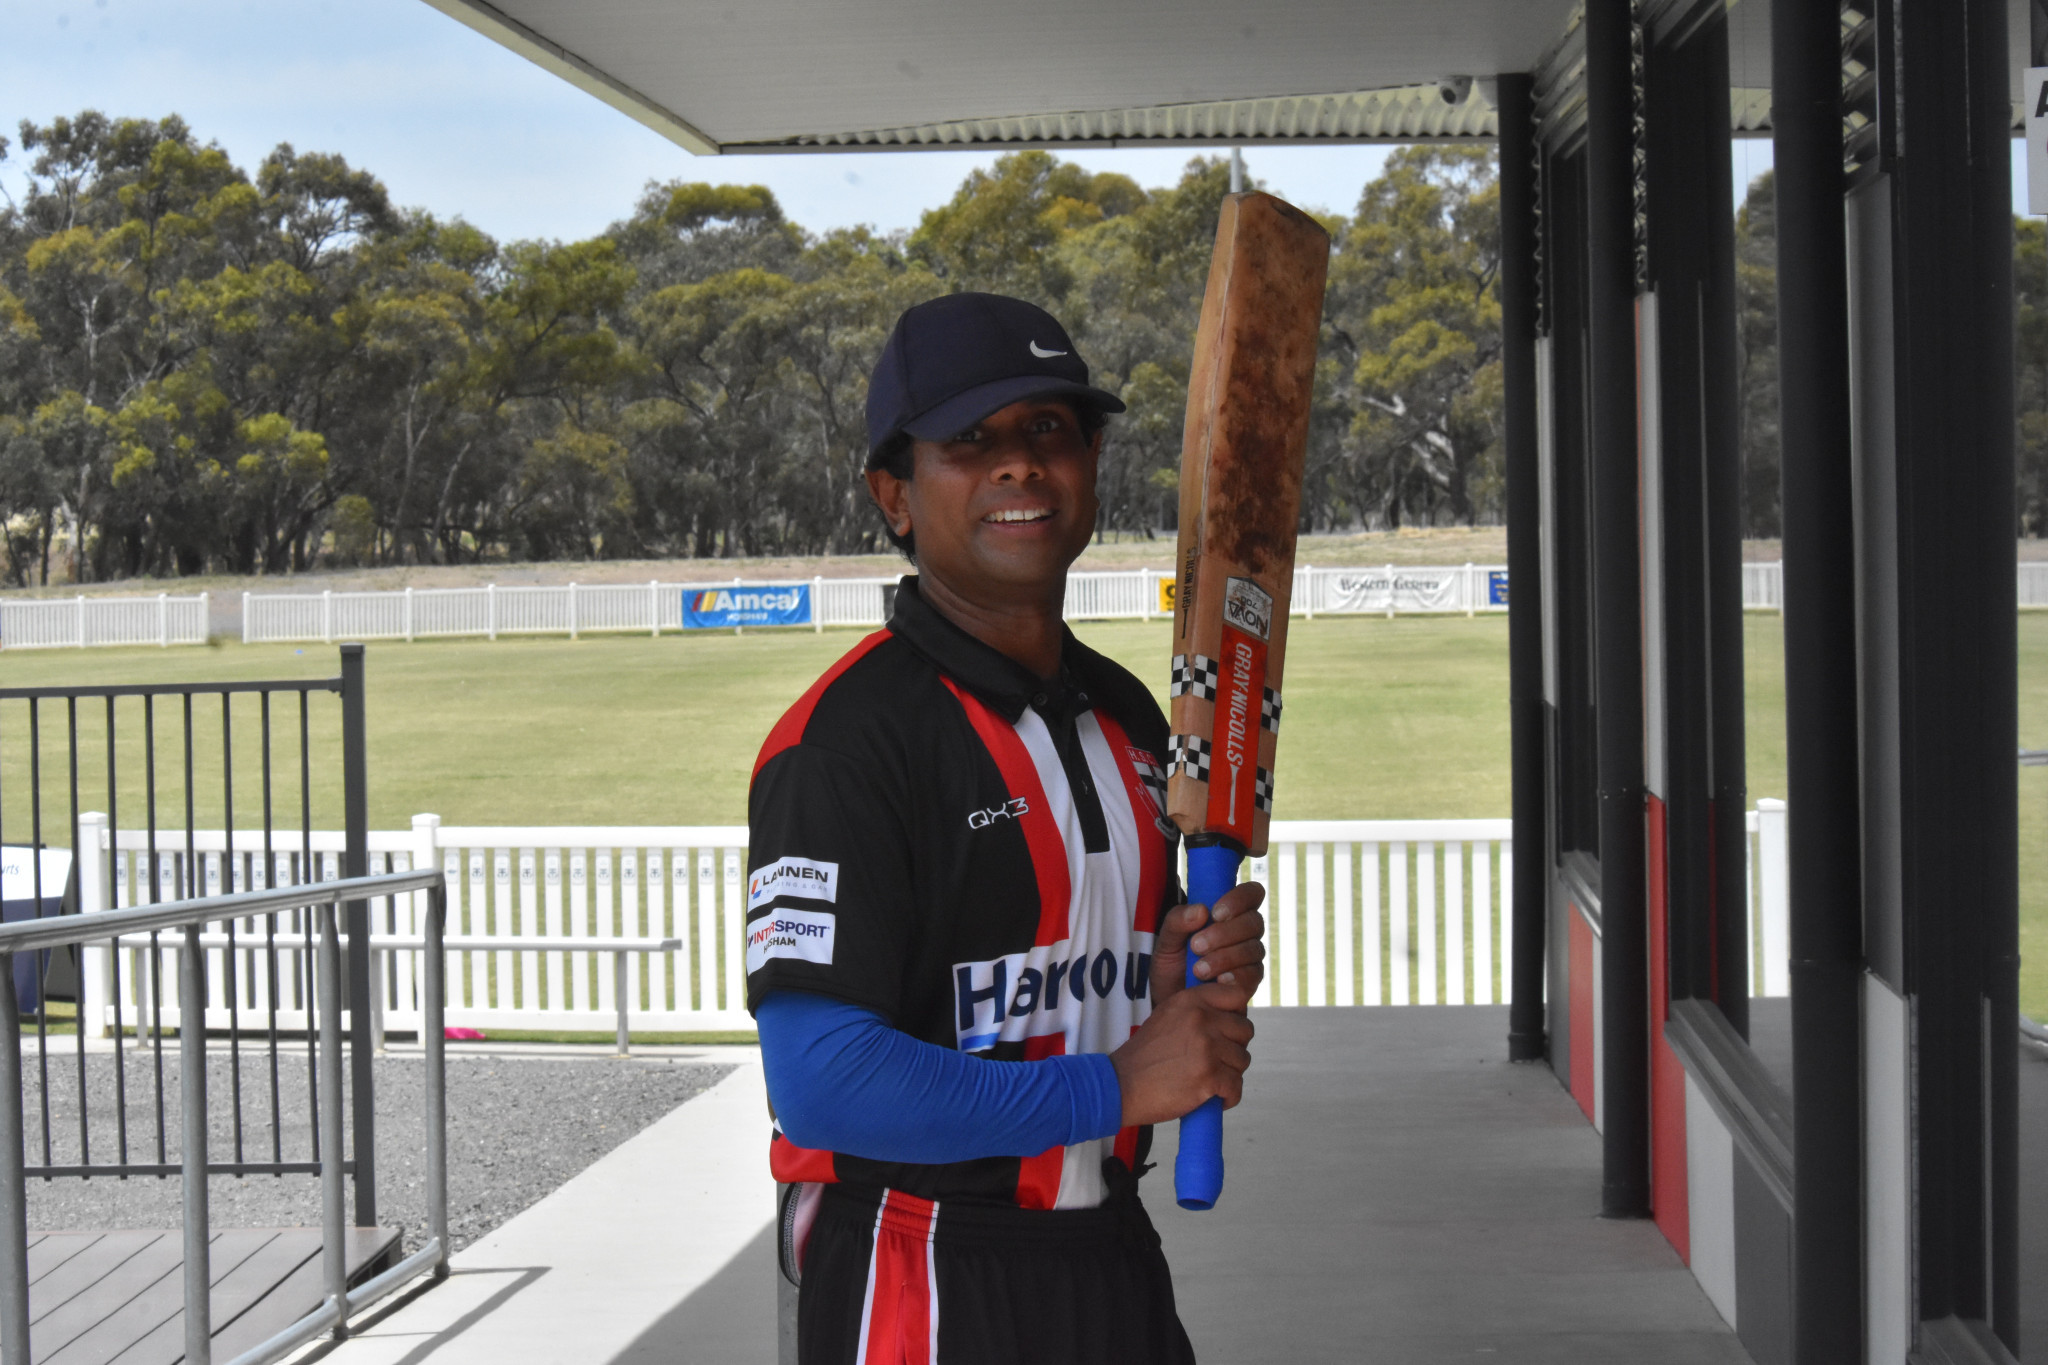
(1029, 632)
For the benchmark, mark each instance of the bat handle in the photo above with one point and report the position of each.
(1198, 1169)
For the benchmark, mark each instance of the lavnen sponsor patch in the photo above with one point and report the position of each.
(795, 877)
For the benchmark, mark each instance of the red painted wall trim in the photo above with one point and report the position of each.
(1667, 1076)
(1579, 968)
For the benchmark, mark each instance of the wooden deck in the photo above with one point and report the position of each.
(97, 1297)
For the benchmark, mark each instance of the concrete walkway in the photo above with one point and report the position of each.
(599, 1270)
(1396, 1192)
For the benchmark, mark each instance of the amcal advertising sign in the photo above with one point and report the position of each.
(753, 605)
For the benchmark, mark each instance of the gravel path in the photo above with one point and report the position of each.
(518, 1127)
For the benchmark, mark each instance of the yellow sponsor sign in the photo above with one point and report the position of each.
(1166, 595)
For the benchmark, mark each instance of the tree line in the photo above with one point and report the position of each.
(208, 370)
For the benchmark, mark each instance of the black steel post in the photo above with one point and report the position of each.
(1517, 115)
(1617, 607)
(355, 862)
(1823, 790)
(1956, 788)
(1988, 301)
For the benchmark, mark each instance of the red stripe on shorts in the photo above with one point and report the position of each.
(899, 1321)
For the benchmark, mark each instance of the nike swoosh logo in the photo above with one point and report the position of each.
(1044, 355)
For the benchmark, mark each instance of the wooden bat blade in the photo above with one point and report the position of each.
(1242, 453)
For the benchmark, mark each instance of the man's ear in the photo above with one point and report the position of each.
(892, 495)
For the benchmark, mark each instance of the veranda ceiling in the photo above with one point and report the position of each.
(823, 75)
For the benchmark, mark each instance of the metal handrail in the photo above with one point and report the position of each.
(60, 931)
(189, 915)
(619, 948)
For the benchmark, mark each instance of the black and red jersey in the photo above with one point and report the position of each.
(974, 854)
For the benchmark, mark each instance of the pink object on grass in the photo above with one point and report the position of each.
(463, 1035)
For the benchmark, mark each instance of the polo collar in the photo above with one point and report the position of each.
(1005, 685)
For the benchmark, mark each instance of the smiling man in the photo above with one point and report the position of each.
(964, 944)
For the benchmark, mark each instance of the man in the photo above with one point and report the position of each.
(963, 944)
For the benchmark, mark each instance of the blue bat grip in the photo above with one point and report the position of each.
(1198, 1169)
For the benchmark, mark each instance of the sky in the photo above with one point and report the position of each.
(457, 125)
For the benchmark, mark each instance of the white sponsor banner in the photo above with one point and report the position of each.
(1395, 590)
(2036, 87)
(805, 935)
(18, 876)
(798, 877)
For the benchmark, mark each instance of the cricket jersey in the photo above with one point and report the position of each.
(977, 856)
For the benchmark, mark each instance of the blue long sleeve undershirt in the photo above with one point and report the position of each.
(843, 1080)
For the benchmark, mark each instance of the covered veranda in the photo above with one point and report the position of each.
(1860, 1193)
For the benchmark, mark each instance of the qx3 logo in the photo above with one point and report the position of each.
(1009, 810)
(1042, 353)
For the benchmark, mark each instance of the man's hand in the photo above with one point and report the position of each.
(1228, 944)
(1192, 1047)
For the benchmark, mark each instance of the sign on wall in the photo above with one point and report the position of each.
(2037, 139)
(747, 605)
(1496, 587)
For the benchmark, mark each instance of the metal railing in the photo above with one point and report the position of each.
(165, 754)
(325, 1059)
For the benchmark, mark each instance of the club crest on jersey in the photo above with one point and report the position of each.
(798, 878)
(1249, 607)
(1151, 777)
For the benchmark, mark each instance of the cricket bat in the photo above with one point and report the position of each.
(1242, 452)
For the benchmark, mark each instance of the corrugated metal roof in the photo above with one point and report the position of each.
(1412, 113)
(1405, 114)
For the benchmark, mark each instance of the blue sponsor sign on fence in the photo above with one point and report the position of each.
(1496, 587)
(747, 605)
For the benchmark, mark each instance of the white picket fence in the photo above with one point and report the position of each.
(591, 608)
(75, 622)
(1362, 912)
(580, 609)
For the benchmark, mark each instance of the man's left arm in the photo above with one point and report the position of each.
(845, 1081)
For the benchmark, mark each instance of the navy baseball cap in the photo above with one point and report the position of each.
(953, 360)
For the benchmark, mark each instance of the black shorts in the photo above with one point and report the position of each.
(890, 1279)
